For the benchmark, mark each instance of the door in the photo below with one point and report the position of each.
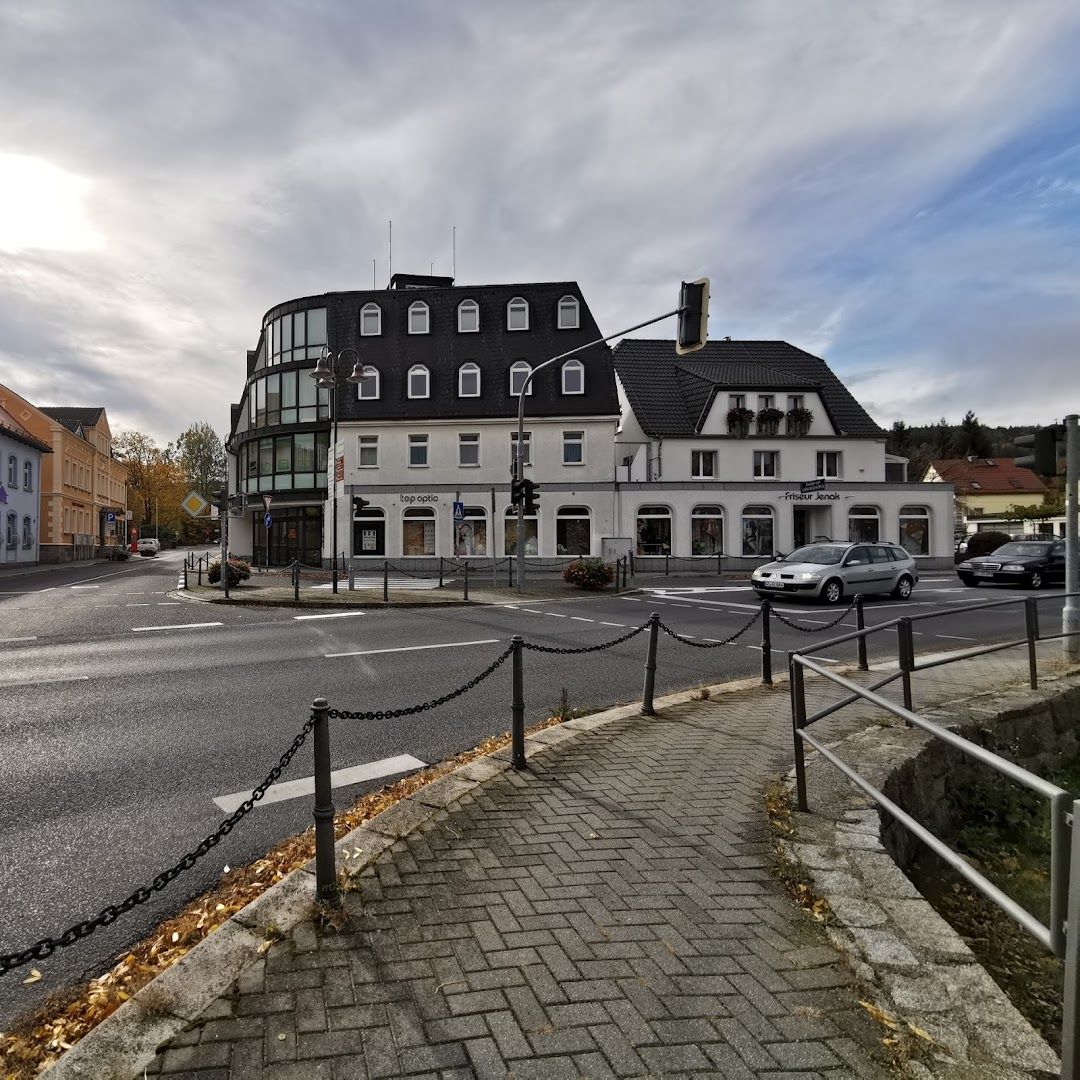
(369, 537)
(858, 572)
(800, 526)
(1056, 567)
(883, 573)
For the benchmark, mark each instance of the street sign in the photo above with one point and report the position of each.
(268, 520)
(194, 505)
(459, 511)
(267, 500)
(110, 517)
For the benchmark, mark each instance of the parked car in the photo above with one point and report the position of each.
(829, 572)
(1033, 563)
(148, 546)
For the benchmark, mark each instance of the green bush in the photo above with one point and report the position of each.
(238, 571)
(589, 574)
(982, 543)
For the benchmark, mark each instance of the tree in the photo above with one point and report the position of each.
(899, 440)
(201, 455)
(156, 483)
(973, 438)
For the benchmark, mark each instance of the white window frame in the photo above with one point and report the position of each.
(736, 401)
(368, 309)
(822, 457)
(415, 308)
(369, 374)
(469, 368)
(568, 439)
(528, 446)
(417, 441)
(473, 438)
(27, 532)
(28, 475)
(474, 308)
(568, 302)
(417, 369)
(766, 401)
(372, 443)
(697, 457)
(759, 465)
(13, 472)
(518, 304)
(796, 401)
(579, 367)
(524, 368)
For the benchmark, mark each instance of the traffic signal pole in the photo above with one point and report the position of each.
(1070, 614)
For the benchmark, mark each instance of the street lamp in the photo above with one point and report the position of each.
(325, 376)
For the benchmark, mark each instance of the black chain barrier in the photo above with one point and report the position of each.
(709, 644)
(411, 710)
(818, 628)
(111, 912)
(587, 648)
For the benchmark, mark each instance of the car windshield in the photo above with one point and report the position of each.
(823, 554)
(1033, 548)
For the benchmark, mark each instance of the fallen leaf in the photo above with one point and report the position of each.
(924, 1035)
(32, 977)
(880, 1015)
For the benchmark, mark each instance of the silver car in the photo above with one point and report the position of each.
(833, 571)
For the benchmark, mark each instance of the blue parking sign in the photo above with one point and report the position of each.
(268, 520)
(459, 511)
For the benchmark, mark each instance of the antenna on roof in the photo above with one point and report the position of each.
(390, 247)
(431, 269)
(453, 251)
(373, 273)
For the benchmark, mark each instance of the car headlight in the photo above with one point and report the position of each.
(964, 566)
(813, 575)
(1014, 566)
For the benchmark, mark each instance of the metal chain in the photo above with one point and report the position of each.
(402, 570)
(815, 629)
(588, 648)
(393, 714)
(710, 644)
(111, 912)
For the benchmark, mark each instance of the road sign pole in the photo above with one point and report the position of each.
(1070, 613)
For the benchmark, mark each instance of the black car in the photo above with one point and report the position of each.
(1033, 563)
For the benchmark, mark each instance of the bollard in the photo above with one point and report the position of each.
(333, 570)
(296, 579)
(667, 561)
(185, 575)
(719, 564)
(798, 722)
(466, 595)
(650, 666)
(1031, 624)
(517, 709)
(906, 655)
(860, 623)
(352, 576)
(440, 571)
(509, 573)
(633, 572)
(199, 582)
(385, 582)
(766, 643)
(325, 870)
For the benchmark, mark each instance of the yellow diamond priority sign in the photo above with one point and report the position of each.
(195, 505)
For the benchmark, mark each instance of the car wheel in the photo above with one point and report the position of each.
(832, 592)
(903, 588)
(967, 580)
(1035, 580)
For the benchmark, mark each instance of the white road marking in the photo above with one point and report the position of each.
(955, 637)
(555, 615)
(620, 625)
(331, 615)
(144, 604)
(580, 618)
(168, 603)
(532, 611)
(411, 648)
(180, 626)
(38, 682)
(633, 599)
(294, 789)
(84, 586)
(8, 640)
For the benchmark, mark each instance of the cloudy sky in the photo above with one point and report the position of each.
(892, 185)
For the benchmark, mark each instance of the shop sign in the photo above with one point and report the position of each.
(407, 499)
(811, 496)
(367, 540)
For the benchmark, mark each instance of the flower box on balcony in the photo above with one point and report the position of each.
(799, 421)
(768, 421)
(738, 421)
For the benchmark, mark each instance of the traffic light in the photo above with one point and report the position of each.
(531, 498)
(517, 492)
(1044, 444)
(693, 316)
(358, 504)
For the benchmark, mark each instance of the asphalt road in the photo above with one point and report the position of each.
(127, 711)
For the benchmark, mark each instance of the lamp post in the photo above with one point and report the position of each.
(326, 376)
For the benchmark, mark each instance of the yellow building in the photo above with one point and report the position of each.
(83, 489)
(987, 487)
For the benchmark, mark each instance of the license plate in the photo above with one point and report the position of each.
(772, 585)
(984, 573)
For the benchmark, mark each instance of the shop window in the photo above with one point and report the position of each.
(703, 464)
(569, 314)
(370, 320)
(468, 317)
(369, 531)
(531, 534)
(915, 529)
(757, 530)
(470, 534)
(418, 532)
(573, 530)
(864, 525)
(707, 530)
(517, 314)
(653, 531)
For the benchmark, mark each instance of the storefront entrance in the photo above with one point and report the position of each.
(295, 533)
(810, 523)
(369, 534)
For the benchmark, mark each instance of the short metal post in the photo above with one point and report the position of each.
(633, 571)
(860, 623)
(1031, 628)
(766, 642)
(509, 573)
(440, 571)
(296, 579)
(185, 575)
(798, 722)
(1070, 1022)
(386, 582)
(650, 666)
(625, 569)
(667, 562)
(517, 709)
(719, 564)
(225, 575)
(466, 594)
(325, 870)
(352, 576)
(199, 582)
(906, 655)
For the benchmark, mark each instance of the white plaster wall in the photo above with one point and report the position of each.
(19, 501)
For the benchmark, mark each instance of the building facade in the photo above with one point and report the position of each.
(986, 487)
(20, 459)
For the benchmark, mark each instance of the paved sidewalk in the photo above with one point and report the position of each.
(611, 912)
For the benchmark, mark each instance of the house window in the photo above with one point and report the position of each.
(13, 471)
(569, 313)
(653, 531)
(531, 534)
(368, 452)
(419, 321)
(418, 381)
(796, 401)
(367, 389)
(27, 533)
(519, 372)
(470, 534)
(28, 475)
(573, 530)
(915, 529)
(864, 525)
(517, 314)
(573, 447)
(828, 464)
(706, 530)
(703, 464)
(299, 336)
(468, 381)
(370, 320)
(12, 529)
(766, 464)
(736, 401)
(469, 450)
(418, 531)
(766, 401)
(573, 377)
(468, 317)
(526, 453)
(418, 448)
(757, 530)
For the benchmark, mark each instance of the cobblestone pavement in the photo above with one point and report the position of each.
(611, 912)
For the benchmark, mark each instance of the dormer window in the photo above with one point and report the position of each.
(468, 317)
(573, 377)
(418, 320)
(519, 372)
(468, 383)
(367, 389)
(569, 314)
(418, 380)
(370, 320)
(517, 314)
